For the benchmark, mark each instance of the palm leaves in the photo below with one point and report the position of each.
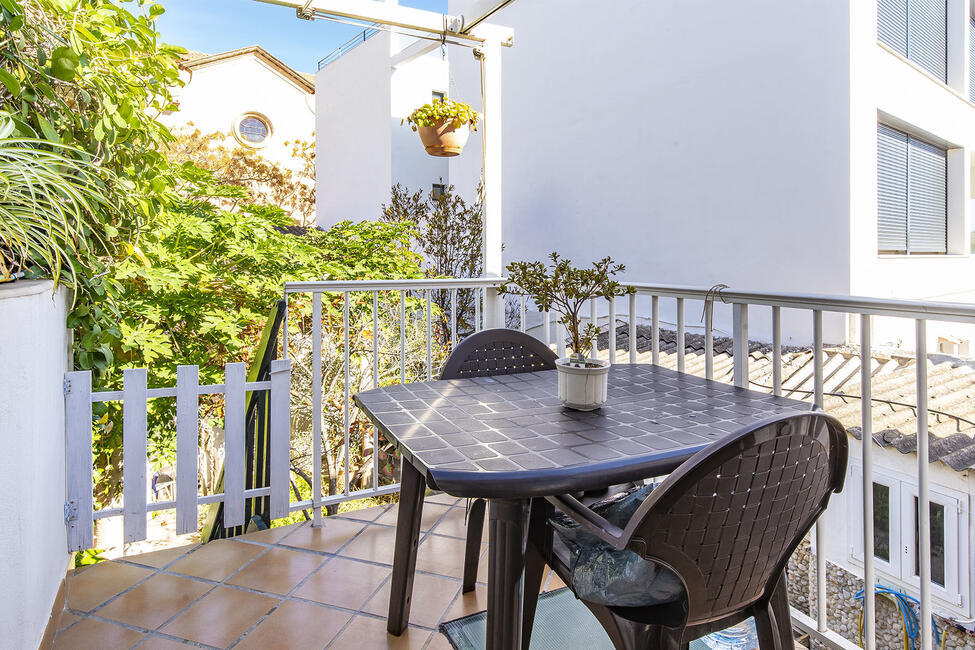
(55, 208)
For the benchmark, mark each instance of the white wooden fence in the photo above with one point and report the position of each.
(80, 514)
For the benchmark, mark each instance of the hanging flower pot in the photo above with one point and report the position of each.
(444, 126)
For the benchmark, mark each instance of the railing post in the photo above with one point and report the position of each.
(632, 330)
(612, 331)
(187, 448)
(280, 437)
(316, 400)
(235, 415)
(740, 343)
(77, 431)
(680, 335)
(866, 425)
(134, 457)
(923, 488)
(655, 330)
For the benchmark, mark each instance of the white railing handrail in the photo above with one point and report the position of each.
(928, 310)
(327, 286)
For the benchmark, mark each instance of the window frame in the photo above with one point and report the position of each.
(249, 143)
(899, 572)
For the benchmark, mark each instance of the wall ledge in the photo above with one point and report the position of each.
(23, 288)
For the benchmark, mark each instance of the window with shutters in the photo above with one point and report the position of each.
(912, 194)
(918, 30)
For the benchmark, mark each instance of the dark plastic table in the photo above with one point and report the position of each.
(508, 439)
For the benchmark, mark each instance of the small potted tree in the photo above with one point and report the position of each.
(566, 289)
(444, 126)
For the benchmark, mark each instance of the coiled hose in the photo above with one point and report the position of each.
(905, 604)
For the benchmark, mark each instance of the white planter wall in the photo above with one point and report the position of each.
(33, 544)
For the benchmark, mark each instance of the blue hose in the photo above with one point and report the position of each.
(903, 602)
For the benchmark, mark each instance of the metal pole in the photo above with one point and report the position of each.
(490, 58)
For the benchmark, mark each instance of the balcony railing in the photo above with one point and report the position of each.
(355, 335)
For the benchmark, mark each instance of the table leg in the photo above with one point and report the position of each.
(412, 488)
(506, 555)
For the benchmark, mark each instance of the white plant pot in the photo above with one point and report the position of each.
(583, 389)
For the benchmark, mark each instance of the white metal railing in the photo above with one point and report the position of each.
(400, 309)
(80, 513)
(413, 303)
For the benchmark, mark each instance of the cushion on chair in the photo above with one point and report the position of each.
(606, 576)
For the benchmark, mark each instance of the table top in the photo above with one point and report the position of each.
(508, 436)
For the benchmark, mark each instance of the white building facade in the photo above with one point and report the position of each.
(703, 143)
(365, 89)
(251, 96)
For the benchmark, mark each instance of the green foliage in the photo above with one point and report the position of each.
(200, 293)
(55, 208)
(566, 289)
(86, 80)
(443, 110)
(447, 234)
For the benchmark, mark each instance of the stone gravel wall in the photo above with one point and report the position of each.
(843, 609)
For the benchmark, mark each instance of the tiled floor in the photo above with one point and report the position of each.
(292, 587)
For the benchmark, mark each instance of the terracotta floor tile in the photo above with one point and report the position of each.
(160, 643)
(344, 583)
(554, 582)
(375, 543)
(370, 633)
(217, 560)
(432, 512)
(155, 601)
(334, 534)
(96, 635)
(445, 556)
(272, 535)
(96, 584)
(296, 625)
(466, 604)
(432, 595)
(365, 513)
(439, 642)
(278, 571)
(159, 559)
(441, 498)
(67, 619)
(454, 524)
(221, 616)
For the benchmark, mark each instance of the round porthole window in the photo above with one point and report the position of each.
(252, 130)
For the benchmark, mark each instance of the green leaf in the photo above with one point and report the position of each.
(64, 63)
(10, 82)
(48, 129)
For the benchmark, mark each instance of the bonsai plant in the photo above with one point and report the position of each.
(566, 289)
(444, 126)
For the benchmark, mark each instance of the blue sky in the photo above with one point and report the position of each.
(219, 25)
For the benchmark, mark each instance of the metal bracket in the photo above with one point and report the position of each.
(70, 511)
(66, 386)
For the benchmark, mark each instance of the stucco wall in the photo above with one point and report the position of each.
(217, 94)
(33, 543)
(696, 142)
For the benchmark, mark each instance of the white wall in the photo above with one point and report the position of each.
(352, 161)
(33, 541)
(362, 149)
(217, 94)
(696, 142)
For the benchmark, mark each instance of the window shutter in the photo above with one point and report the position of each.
(927, 36)
(971, 59)
(927, 197)
(891, 189)
(892, 24)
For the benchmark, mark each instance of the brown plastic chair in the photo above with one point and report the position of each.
(726, 522)
(486, 353)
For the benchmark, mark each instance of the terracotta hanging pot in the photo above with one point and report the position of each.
(444, 139)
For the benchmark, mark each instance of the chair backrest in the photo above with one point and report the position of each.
(729, 518)
(498, 352)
